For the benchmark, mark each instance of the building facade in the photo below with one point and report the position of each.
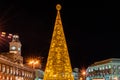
(11, 63)
(76, 74)
(108, 69)
(39, 74)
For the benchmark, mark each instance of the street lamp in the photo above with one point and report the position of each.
(82, 74)
(34, 63)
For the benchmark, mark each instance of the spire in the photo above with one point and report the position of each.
(15, 38)
(58, 7)
(58, 18)
(58, 65)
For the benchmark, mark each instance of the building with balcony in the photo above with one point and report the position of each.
(11, 63)
(76, 73)
(108, 69)
(39, 74)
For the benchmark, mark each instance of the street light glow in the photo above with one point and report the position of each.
(83, 73)
(34, 62)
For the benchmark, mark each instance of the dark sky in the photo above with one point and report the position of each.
(88, 26)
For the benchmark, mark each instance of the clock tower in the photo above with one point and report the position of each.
(15, 45)
(15, 50)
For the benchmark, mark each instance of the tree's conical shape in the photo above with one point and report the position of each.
(58, 65)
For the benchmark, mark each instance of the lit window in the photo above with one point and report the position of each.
(96, 68)
(11, 78)
(0, 67)
(22, 73)
(118, 66)
(109, 66)
(114, 66)
(10, 70)
(103, 68)
(106, 67)
(16, 71)
(13, 70)
(3, 68)
(89, 70)
(100, 68)
(3, 77)
(7, 78)
(16, 78)
(7, 69)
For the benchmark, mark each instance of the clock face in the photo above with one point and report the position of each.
(13, 47)
(19, 49)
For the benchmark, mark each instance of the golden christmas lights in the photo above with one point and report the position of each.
(58, 65)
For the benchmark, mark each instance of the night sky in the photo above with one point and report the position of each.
(88, 26)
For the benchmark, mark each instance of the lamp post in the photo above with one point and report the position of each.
(83, 74)
(33, 63)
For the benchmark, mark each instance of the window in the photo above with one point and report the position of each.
(0, 67)
(7, 69)
(3, 68)
(119, 67)
(10, 70)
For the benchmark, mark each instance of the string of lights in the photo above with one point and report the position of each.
(5, 38)
(6, 35)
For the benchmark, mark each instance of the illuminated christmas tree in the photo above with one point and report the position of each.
(58, 65)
